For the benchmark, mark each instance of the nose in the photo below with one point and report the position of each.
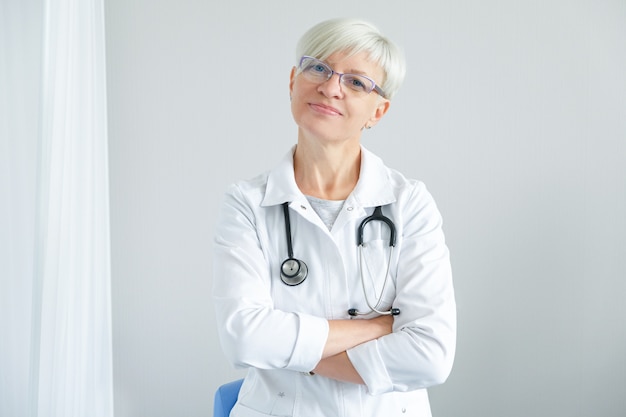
(332, 86)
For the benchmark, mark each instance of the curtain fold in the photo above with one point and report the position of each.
(61, 204)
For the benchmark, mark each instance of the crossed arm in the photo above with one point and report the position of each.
(343, 335)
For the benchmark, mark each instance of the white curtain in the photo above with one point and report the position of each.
(55, 298)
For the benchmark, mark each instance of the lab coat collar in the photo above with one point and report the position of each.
(374, 187)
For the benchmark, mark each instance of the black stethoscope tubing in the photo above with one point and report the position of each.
(294, 271)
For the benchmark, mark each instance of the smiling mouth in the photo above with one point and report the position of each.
(324, 109)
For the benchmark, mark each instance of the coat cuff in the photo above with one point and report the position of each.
(312, 336)
(369, 364)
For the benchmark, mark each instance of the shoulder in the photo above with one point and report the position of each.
(412, 196)
(405, 187)
(241, 200)
(252, 189)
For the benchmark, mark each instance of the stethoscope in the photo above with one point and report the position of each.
(294, 271)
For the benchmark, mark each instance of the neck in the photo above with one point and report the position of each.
(328, 171)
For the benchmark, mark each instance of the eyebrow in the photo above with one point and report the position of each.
(350, 71)
(355, 71)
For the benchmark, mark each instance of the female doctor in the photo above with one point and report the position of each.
(332, 280)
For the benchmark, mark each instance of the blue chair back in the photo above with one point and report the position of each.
(225, 398)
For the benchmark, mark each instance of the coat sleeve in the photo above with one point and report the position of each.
(252, 332)
(420, 351)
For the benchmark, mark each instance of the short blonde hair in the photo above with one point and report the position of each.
(353, 36)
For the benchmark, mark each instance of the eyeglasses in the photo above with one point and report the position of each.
(318, 71)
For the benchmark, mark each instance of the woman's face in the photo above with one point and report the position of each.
(330, 111)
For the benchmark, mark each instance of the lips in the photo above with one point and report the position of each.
(325, 109)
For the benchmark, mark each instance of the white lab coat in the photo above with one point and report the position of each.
(279, 331)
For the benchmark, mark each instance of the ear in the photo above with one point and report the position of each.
(379, 112)
(292, 78)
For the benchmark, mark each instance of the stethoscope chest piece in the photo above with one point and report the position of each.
(293, 271)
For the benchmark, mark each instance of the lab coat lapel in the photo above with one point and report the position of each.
(281, 184)
(282, 187)
(373, 189)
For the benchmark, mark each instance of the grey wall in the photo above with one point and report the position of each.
(513, 113)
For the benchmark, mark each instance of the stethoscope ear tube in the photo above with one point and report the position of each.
(377, 215)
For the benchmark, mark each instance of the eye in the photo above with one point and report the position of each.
(318, 69)
(356, 82)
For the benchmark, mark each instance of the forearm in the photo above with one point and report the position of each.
(340, 368)
(345, 334)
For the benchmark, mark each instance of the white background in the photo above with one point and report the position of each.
(514, 115)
